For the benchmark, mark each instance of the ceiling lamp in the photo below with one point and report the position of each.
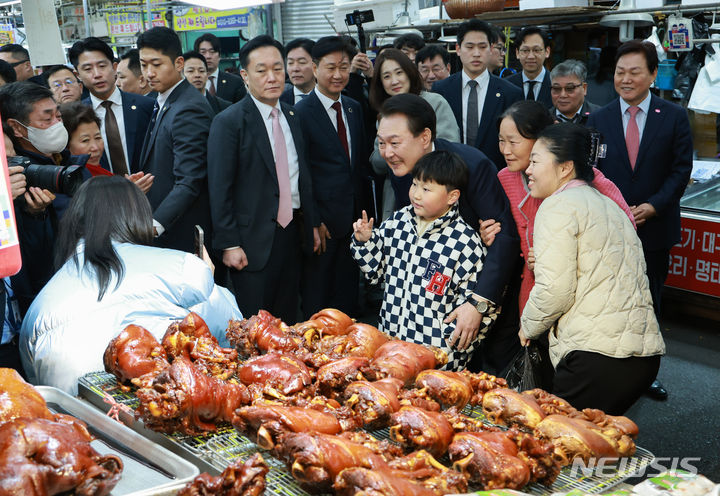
(626, 21)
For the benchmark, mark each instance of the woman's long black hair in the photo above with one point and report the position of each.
(103, 210)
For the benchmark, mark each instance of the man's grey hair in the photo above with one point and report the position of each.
(570, 67)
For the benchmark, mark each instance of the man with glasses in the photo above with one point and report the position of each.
(19, 58)
(223, 84)
(568, 90)
(64, 84)
(496, 62)
(532, 50)
(433, 63)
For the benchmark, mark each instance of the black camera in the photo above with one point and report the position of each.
(57, 179)
(358, 17)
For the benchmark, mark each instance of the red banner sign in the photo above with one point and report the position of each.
(695, 261)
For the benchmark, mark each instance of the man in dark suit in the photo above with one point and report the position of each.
(130, 78)
(223, 84)
(406, 132)
(476, 97)
(124, 117)
(175, 147)
(337, 155)
(262, 202)
(299, 64)
(532, 49)
(568, 91)
(195, 71)
(649, 156)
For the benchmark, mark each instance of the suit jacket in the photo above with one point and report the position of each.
(175, 152)
(543, 96)
(484, 198)
(230, 87)
(242, 177)
(500, 95)
(217, 104)
(288, 94)
(662, 169)
(137, 111)
(338, 182)
(584, 114)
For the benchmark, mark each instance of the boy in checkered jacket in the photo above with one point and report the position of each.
(428, 257)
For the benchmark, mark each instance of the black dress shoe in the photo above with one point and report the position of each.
(657, 391)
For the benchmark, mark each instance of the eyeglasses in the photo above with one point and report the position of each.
(500, 48)
(435, 70)
(535, 50)
(68, 82)
(569, 89)
(208, 51)
(15, 64)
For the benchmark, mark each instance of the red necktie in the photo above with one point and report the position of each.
(342, 133)
(212, 86)
(285, 213)
(632, 136)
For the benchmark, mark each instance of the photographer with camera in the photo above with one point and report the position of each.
(32, 122)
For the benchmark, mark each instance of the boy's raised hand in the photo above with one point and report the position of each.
(362, 228)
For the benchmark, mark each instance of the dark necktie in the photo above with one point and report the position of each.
(531, 90)
(212, 85)
(342, 133)
(114, 141)
(471, 122)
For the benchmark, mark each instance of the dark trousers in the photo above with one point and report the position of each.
(10, 357)
(331, 279)
(276, 287)
(592, 380)
(658, 262)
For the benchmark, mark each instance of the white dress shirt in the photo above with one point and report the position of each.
(536, 90)
(640, 117)
(216, 75)
(327, 104)
(299, 95)
(117, 108)
(482, 80)
(293, 165)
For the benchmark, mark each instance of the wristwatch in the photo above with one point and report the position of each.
(481, 306)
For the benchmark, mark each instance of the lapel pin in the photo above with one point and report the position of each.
(133, 107)
(291, 112)
(497, 95)
(224, 81)
(657, 111)
(349, 111)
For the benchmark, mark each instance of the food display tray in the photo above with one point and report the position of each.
(148, 469)
(226, 445)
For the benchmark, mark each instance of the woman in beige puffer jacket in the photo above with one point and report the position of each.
(590, 289)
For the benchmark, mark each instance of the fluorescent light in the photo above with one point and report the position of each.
(229, 4)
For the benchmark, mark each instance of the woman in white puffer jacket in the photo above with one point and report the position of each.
(590, 289)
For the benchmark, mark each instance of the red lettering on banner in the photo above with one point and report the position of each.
(695, 261)
(437, 283)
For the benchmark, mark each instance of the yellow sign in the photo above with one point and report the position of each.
(7, 34)
(200, 18)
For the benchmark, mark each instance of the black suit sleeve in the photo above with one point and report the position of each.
(488, 200)
(674, 185)
(190, 129)
(222, 167)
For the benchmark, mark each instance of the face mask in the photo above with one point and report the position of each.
(51, 140)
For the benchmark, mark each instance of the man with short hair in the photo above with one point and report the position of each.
(299, 65)
(195, 71)
(433, 63)
(532, 49)
(406, 132)
(338, 154)
(568, 90)
(476, 97)
(64, 84)
(262, 201)
(409, 44)
(19, 58)
(130, 78)
(496, 64)
(124, 117)
(7, 73)
(649, 156)
(227, 86)
(175, 146)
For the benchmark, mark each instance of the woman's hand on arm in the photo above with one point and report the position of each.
(488, 230)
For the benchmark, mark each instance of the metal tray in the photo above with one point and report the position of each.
(225, 446)
(149, 470)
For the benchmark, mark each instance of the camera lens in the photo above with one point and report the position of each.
(57, 179)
